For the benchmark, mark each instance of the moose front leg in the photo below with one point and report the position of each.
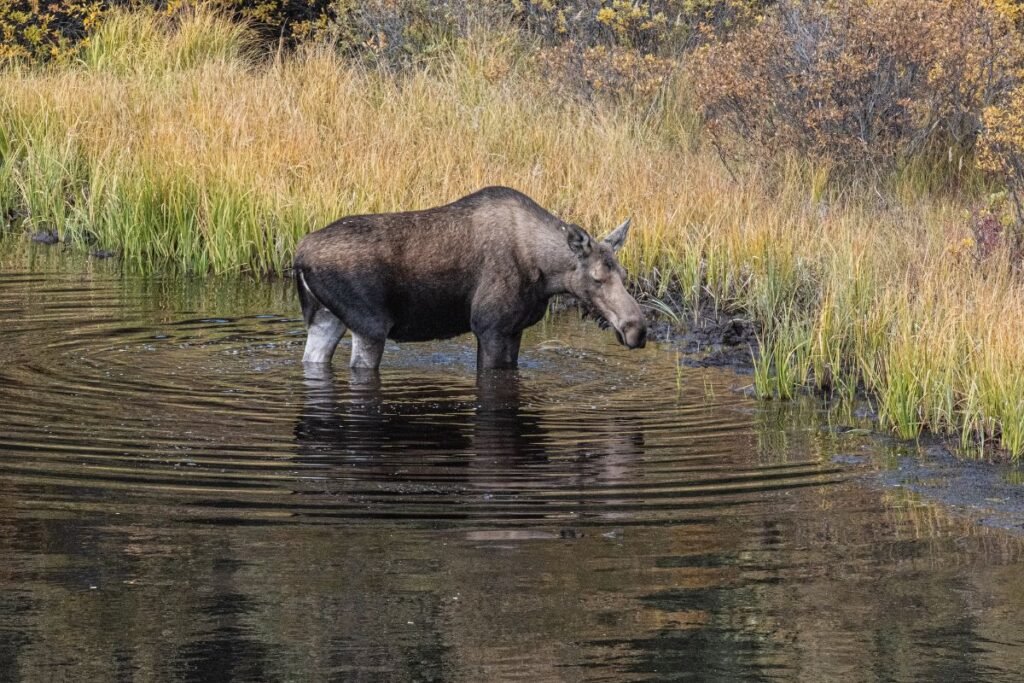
(497, 351)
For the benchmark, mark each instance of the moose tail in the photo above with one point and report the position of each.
(310, 304)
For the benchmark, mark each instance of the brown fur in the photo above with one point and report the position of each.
(487, 263)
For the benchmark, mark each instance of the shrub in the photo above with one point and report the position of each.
(992, 233)
(859, 83)
(391, 30)
(600, 70)
(599, 48)
(275, 22)
(656, 26)
(623, 47)
(37, 30)
(397, 33)
(1002, 148)
(388, 31)
(721, 17)
(288, 21)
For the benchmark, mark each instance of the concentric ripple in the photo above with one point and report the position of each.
(112, 402)
(180, 499)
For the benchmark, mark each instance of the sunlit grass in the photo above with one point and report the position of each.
(178, 149)
(783, 364)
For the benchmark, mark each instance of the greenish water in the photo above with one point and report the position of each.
(180, 500)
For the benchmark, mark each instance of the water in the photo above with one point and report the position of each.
(179, 500)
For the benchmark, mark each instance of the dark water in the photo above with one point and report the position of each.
(179, 500)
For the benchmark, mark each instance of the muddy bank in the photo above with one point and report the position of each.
(986, 487)
(711, 341)
(988, 492)
(49, 236)
(706, 339)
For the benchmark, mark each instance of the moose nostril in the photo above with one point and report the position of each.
(634, 334)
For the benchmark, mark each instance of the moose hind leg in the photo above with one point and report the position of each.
(366, 352)
(322, 337)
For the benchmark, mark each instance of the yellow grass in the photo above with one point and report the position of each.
(188, 152)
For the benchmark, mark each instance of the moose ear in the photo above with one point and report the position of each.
(579, 241)
(617, 237)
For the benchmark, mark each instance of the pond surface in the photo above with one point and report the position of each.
(180, 500)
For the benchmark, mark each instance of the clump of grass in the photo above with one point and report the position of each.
(782, 365)
(997, 385)
(42, 177)
(183, 153)
(148, 43)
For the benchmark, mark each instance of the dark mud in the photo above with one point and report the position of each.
(989, 492)
(713, 341)
(984, 489)
(84, 243)
(708, 339)
(45, 237)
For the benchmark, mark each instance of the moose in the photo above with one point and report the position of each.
(486, 263)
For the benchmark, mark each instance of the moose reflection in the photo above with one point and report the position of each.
(471, 432)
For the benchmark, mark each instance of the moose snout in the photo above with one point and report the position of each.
(633, 334)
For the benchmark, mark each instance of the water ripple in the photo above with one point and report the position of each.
(176, 413)
(179, 495)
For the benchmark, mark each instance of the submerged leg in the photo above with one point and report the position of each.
(322, 337)
(366, 352)
(497, 351)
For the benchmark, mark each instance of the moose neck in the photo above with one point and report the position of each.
(558, 263)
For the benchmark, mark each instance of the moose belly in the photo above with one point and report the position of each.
(424, 315)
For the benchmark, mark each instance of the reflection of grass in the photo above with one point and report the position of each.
(177, 148)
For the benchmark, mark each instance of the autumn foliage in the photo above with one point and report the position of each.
(1002, 146)
(41, 30)
(859, 82)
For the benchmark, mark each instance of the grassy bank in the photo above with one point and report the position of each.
(181, 149)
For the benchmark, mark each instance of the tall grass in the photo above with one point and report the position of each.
(176, 147)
